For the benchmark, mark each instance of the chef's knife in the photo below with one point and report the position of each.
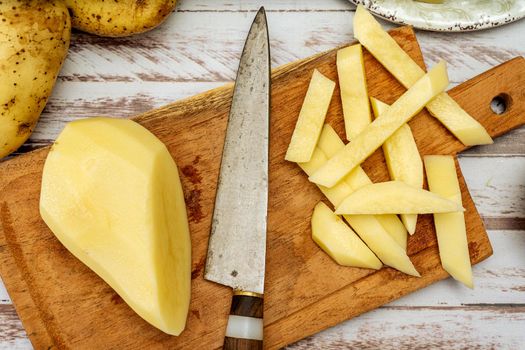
(237, 245)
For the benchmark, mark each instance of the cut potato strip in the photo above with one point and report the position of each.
(385, 49)
(395, 197)
(368, 227)
(403, 159)
(375, 134)
(330, 144)
(466, 129)
(343, 189)
(382, 244)
(311, 118)
(390, 247)
(450, 227)
(334, 194)
(339, 241)
(354, 96)
(395, 228)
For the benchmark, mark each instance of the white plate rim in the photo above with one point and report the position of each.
(455, 25)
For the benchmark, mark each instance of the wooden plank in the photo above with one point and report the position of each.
(184, 49)
(497, 327)
(499, 279)
(496, 185)
(483, 327)
(504, 223)
(13, 335)
(75, 100)
(509, 144)
(253, 5)
(475, 52)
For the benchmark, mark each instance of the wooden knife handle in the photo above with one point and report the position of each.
(245, 323)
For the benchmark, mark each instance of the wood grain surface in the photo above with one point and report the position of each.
(199, 47)
(41, 275)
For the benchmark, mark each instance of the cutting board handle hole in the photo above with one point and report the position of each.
(500, 103)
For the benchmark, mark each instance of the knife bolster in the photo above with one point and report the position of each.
(245, 323)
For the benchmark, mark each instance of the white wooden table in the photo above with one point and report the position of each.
(198, 48)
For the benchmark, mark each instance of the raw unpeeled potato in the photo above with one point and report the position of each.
(111, 194)
(34, 42)
(118, 18)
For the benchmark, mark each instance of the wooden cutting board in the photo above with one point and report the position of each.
(63, 304)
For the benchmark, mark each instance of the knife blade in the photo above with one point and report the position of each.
(237, 244)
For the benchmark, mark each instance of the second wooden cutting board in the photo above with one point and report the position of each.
(63, 304)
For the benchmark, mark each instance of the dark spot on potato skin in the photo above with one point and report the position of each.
(141, 3)
(9, 104)
(24, 129)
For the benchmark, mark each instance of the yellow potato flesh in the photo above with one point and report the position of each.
(467, 129)
(388, 246)
(311, 118)
(450, 227)
(385, 49)
(339, 241)
(395, 197)
(375, 134)
(354, 95)
(111, 194)
(330, 144)
(403, 159)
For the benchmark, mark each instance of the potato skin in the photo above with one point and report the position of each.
(118, 17)
(34, 42)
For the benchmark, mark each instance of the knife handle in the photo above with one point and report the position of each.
(245, 323)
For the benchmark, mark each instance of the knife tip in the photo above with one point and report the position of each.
(261, 13)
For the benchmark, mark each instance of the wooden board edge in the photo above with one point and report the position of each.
(11, 268)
